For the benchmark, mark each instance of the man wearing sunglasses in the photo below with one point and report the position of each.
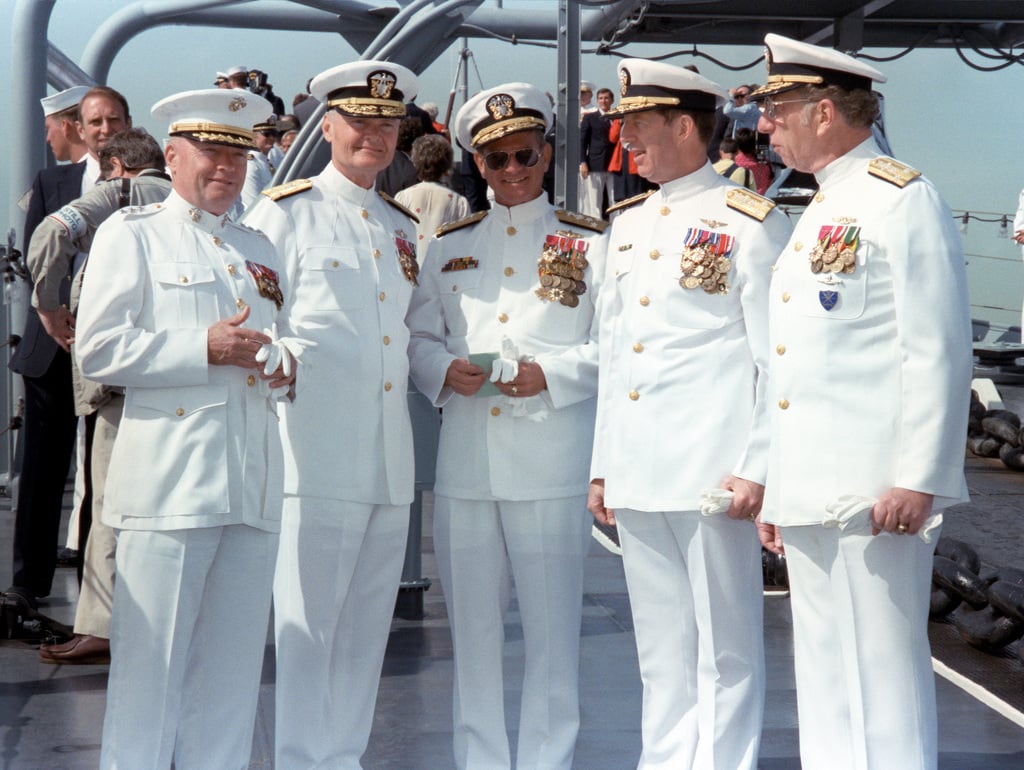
(351, 259)
(503, 337)
(870, 384)
(682, 417)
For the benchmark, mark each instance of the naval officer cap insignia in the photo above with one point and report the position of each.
(63, 100)
(366, 89)
(213, 115)
(500, 111)
(267, 125)
(793, 64)
(651, 85)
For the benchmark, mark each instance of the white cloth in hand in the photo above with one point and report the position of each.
(278, 352)
(853, 512)
(714, 501)
(506, 369)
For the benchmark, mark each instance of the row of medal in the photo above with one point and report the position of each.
(705, 261)
(835, 251)
(561, 267)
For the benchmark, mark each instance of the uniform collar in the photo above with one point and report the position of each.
(523, 213)
(851, 163)
(690, 184)
(339, 185)
(204, 220)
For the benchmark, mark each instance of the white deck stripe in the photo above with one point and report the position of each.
(978, 692)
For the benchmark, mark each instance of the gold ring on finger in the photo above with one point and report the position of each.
(902, 529)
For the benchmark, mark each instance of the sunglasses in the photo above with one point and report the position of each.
(768, 105)
(527, 156)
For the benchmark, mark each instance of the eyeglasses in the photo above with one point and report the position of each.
(768, 105)
(527, 156)
(741, 96)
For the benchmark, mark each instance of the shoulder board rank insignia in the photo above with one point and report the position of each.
(631, 202)
(892, 171)
(392, 202)
(749, 203)
(142, 210)
(288, 188)
(458, 224)
(581, 220)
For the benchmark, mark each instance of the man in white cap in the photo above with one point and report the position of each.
(870, 321)
(508, 349)
(172, 309)
(351, 258)
(680, 451)
(61, 115)
(48, 431)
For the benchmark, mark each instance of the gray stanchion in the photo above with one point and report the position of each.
(426, 429)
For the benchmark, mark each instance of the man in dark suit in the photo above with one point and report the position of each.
(595, 152)
(48, 430)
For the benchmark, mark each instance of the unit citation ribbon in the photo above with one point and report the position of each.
(836, 250)
(266, 282)
(560, 267)
(705, 261)
(407, 257)
(460, 263)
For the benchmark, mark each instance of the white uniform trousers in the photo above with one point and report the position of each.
(96, 596)
(592, 192)
(543, 542)
(695, 588)
(189, 627)
(864, 681)
(337, 578)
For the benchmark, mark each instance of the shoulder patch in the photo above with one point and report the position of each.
(749, 203)
(458, 224)
(630, 202)
(392, 202)
(72, 222)
(293, 187)
(581, 220)
(892, 171)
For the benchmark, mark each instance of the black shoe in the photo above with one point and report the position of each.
(22, 597)
(67, 557)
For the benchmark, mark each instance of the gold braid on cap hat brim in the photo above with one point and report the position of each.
(641, 103)
(213, 132)
(496, 131)
(366, 107)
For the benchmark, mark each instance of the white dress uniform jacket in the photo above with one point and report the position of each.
(198, 445)
(682, 366)
(872, 393)
(456, 312)
(343, 245)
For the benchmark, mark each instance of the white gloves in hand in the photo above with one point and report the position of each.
(278, 352)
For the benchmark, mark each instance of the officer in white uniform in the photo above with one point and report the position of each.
(681, 410)
(515, 284)
(172, 309)
(870, 384)
(351, 258)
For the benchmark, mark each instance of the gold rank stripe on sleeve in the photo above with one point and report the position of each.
(892, 171)
(630, 202)
(581, 220)
(458, 224)
(288, 188)
(749, 203)
(392, 202)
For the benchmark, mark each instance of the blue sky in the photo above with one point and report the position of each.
(961, 127)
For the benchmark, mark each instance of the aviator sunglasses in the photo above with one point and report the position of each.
(527, 156)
